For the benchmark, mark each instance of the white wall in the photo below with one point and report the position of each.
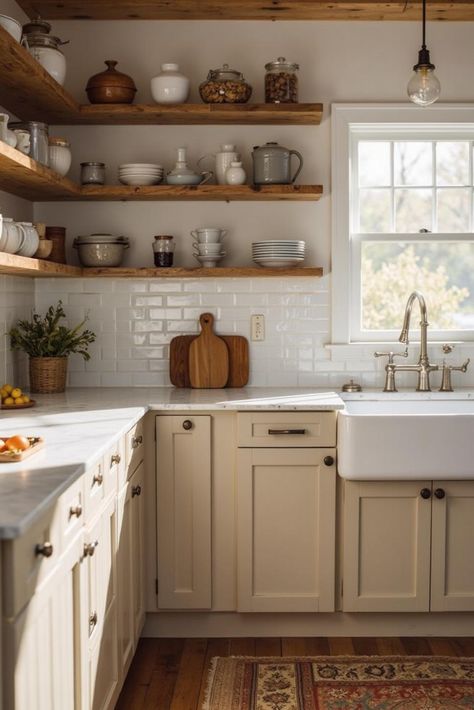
(343, 61)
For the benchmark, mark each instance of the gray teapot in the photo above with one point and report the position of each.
(272, 165)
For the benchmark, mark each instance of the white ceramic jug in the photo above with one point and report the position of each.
(223, 159)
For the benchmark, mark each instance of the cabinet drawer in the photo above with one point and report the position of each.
(114, 466)
(134, 447)
(95, 492)
(289, 429)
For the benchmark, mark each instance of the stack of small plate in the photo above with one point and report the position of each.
(278, 252)
(140, 174)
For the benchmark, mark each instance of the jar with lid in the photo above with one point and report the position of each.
(92, 173)
(281, 82)
(163, 248)
(45, 48)
(39, 144)
(225, 86)
(60, 157)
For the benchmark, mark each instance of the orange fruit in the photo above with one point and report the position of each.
(17, 443)
(2, 445)
(9, 400)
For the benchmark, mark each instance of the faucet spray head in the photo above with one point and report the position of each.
(403, 336)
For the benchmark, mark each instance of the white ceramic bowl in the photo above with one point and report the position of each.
(184, 179)
(139, 180)
(208, 235)
(12, 26)
(208, 262)
(209, 249)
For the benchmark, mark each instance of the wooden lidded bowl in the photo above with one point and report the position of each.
(111, 86)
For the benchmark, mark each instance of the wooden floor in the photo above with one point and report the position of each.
(171, 674)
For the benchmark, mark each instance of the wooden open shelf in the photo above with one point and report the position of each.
(22, 176)
(22, 266)
(198, 114)
(28, 91)
(246, 10)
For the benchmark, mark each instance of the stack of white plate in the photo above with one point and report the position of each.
(140, 174)
(278, 252)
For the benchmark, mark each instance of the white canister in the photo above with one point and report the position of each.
(11, 237)
(45, 49)
(235, 175)
(31, 240)
(170, 86)
(60, 157)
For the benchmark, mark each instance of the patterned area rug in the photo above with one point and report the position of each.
(341, 683)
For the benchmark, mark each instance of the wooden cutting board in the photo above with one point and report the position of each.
(208, 357)
(238, 360)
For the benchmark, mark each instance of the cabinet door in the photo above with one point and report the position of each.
(184, 511)
(452, 562)
(100, 549)
(137, 529)
(286, 530)
(42, 662)
(386, 546)
(124, 578)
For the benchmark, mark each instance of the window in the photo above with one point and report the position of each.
(403, 220)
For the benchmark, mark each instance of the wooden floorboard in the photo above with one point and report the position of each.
(172, 674)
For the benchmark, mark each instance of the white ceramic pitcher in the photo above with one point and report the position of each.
(222, 161)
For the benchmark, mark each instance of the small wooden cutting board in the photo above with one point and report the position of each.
(238, 360)
(208, 357)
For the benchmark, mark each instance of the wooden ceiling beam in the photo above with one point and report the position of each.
(246, 10)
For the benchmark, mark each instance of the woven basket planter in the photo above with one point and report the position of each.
(48, 374)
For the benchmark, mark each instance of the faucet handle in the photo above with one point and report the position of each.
(391, 355)
(446, 385)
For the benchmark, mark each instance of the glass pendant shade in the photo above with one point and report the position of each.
(424, 87)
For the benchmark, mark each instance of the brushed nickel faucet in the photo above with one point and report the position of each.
(423, 367)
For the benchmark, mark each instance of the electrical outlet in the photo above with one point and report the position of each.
(258, 327)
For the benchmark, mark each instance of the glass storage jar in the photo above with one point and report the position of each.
(163, 248)
(60, 157)
(92, 173)
(281, 82)
(225, 86)
(45, 49)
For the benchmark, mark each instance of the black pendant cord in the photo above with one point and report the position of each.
(423, 44)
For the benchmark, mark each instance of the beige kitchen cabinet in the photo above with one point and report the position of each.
(131, 564)
(286, 504)
(286, 511)
(183, 445)
(386, 546)
(405, 546)
(452, 542)
(100, 618)
(42, 661)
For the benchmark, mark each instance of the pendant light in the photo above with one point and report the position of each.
(424, 87)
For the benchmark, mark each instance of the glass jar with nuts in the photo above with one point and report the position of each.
(281, 82)
(225, 86)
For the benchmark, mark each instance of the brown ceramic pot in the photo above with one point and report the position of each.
(111, 86)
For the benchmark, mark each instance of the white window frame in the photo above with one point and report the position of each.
(348, 121)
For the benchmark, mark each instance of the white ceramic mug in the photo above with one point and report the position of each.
(12, 237)
(30, 243)
(209, 235)
(22, 140)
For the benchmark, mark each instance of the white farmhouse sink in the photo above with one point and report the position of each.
(422, 437)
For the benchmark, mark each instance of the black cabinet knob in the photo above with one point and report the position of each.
(440, 493)
(328, 460)
(425, 493)
(187, 424)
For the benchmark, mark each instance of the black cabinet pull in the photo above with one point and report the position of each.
(425, 493)
(187, 424)
(272, 432)
(440, 493)
(328, 460)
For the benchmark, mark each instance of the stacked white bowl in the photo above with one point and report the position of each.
(208, 245)
(140, 173)
(278, 252)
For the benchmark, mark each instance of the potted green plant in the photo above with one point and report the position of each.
(48, 345)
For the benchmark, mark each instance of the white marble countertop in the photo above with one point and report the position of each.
(82, 424)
